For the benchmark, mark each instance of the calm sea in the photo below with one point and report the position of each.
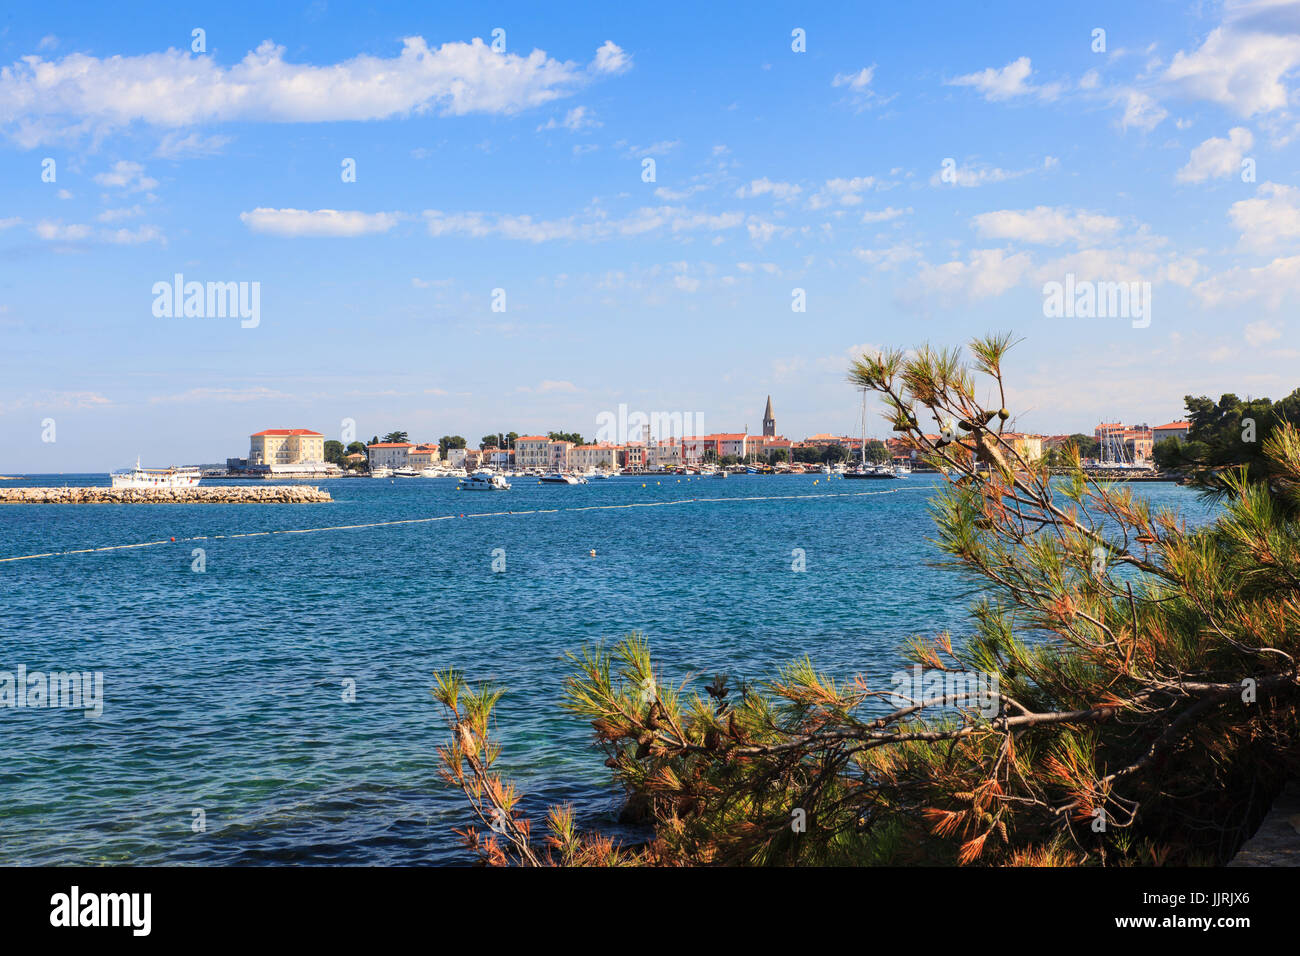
(224, 689)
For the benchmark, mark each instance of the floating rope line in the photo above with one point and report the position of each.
(484, 514)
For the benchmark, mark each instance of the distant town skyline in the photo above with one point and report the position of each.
(523, 218)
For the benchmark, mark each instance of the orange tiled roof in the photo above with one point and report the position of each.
(287, 431)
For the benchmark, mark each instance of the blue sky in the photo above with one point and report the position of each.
(522, 170)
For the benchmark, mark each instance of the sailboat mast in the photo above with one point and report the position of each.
(864, 429)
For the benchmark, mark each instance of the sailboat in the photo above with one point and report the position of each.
(863, 470)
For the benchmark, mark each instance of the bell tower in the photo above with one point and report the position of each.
(769, 421)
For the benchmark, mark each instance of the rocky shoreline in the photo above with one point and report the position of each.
(232, 494)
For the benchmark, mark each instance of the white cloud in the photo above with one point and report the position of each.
(1271, 218)
(971, 176)
(1243, 64)
(133, 237)
(556, 386)
(1259, 333)
(884, 215)
(319, 222)
(1273, 284)
(985, 273)
(1217, 158)
(115, 215)
(674, 220)
(79, 232)
(62, 98)
(57, 232)
(1140, 110)
(858, 82)
(842, 191)
(889, 257)
(206, 395)
(763, 187)
(128, 176)
(611, 59)
(1045, 224)
(577, 118)
(176, 145)
(1008, 82)
(677, 195)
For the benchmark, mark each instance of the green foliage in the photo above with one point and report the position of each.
(1144, 702)
(395, 437)
(566, 436)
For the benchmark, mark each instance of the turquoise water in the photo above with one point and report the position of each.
(223, 689)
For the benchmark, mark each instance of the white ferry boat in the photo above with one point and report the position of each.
(483, 481)
(172, 477)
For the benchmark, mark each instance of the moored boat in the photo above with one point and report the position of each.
(483, 481)
(172, 477)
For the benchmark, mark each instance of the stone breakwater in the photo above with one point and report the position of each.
(234, 494)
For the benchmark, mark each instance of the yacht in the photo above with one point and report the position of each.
(483, 481)
(871, 471)
(406, 471)
(558, 478)
(172, 477)
(381, 471)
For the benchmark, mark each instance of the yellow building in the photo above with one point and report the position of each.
(532, 451)
(286, 446)
(1028, 447)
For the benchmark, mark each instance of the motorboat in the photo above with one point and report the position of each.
(560, 478)
(406, 471)
(483, 481)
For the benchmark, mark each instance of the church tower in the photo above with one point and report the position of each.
(769, 422)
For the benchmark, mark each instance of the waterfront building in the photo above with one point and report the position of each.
(390, 454)
(533, 451)
(663, 454)
(634, 455)
(1178, 430)
(456, 457)
(423, 456)
(592, 457)
(1028, 447)
(560, 456)
(286, 446)
(731, 444)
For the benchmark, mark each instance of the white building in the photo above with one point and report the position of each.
(390, 454)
